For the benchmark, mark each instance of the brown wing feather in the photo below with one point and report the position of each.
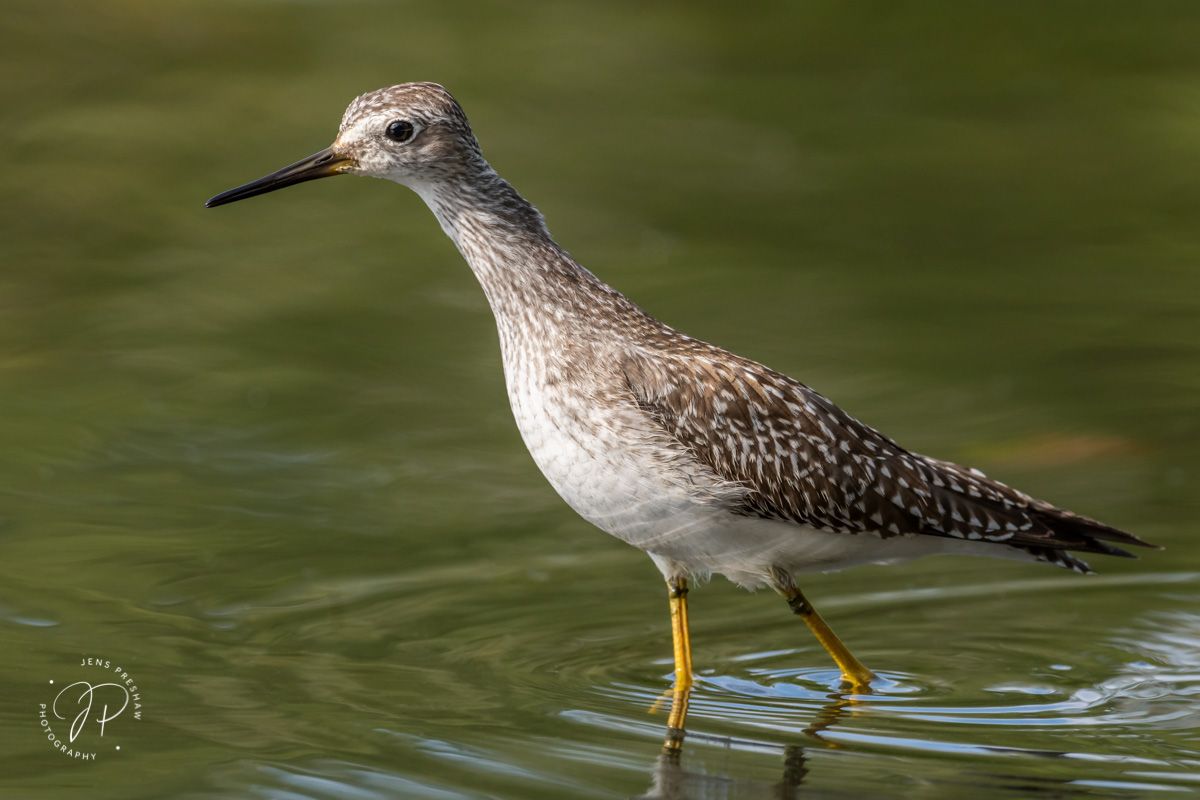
(805, 460)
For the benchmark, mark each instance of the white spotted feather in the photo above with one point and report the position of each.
(709, 462)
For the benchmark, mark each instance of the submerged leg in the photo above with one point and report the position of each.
(853, 672)
(679, 633)
(683, 652)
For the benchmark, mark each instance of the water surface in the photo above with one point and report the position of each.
(261, 458)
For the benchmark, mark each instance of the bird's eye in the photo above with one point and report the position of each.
(400, 131)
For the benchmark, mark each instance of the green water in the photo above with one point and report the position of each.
(261, 457)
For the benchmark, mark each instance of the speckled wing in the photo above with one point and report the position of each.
(805, 460)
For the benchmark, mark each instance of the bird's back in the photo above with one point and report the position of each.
(662, 439)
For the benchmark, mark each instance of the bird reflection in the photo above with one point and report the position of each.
(672, 782)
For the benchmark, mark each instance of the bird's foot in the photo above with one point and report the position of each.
(858, 683)
(678, 699)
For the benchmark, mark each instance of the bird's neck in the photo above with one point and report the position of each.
(505, 241)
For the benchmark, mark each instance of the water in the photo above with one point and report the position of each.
(260, 458)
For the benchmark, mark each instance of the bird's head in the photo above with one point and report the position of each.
(412, 133)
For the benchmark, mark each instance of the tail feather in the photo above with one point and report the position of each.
(1082, 534)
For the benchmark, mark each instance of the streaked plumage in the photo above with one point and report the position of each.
(806, 461)
(707, 461)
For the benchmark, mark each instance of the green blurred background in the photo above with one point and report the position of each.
(262, 455)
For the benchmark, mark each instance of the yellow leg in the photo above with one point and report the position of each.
(682, 641)
(677, 717)
(853, 672)
(679, 634)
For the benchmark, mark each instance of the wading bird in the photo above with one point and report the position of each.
(709, 462)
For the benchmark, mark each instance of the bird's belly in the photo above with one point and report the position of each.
(597, 457)
(587, 454)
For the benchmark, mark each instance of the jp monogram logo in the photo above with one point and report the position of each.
(113, 695)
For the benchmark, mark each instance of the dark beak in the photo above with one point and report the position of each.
(319, 165)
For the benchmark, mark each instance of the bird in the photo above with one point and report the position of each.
(709, 462)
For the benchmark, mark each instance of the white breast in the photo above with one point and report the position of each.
(587, 450)
(618, 470)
